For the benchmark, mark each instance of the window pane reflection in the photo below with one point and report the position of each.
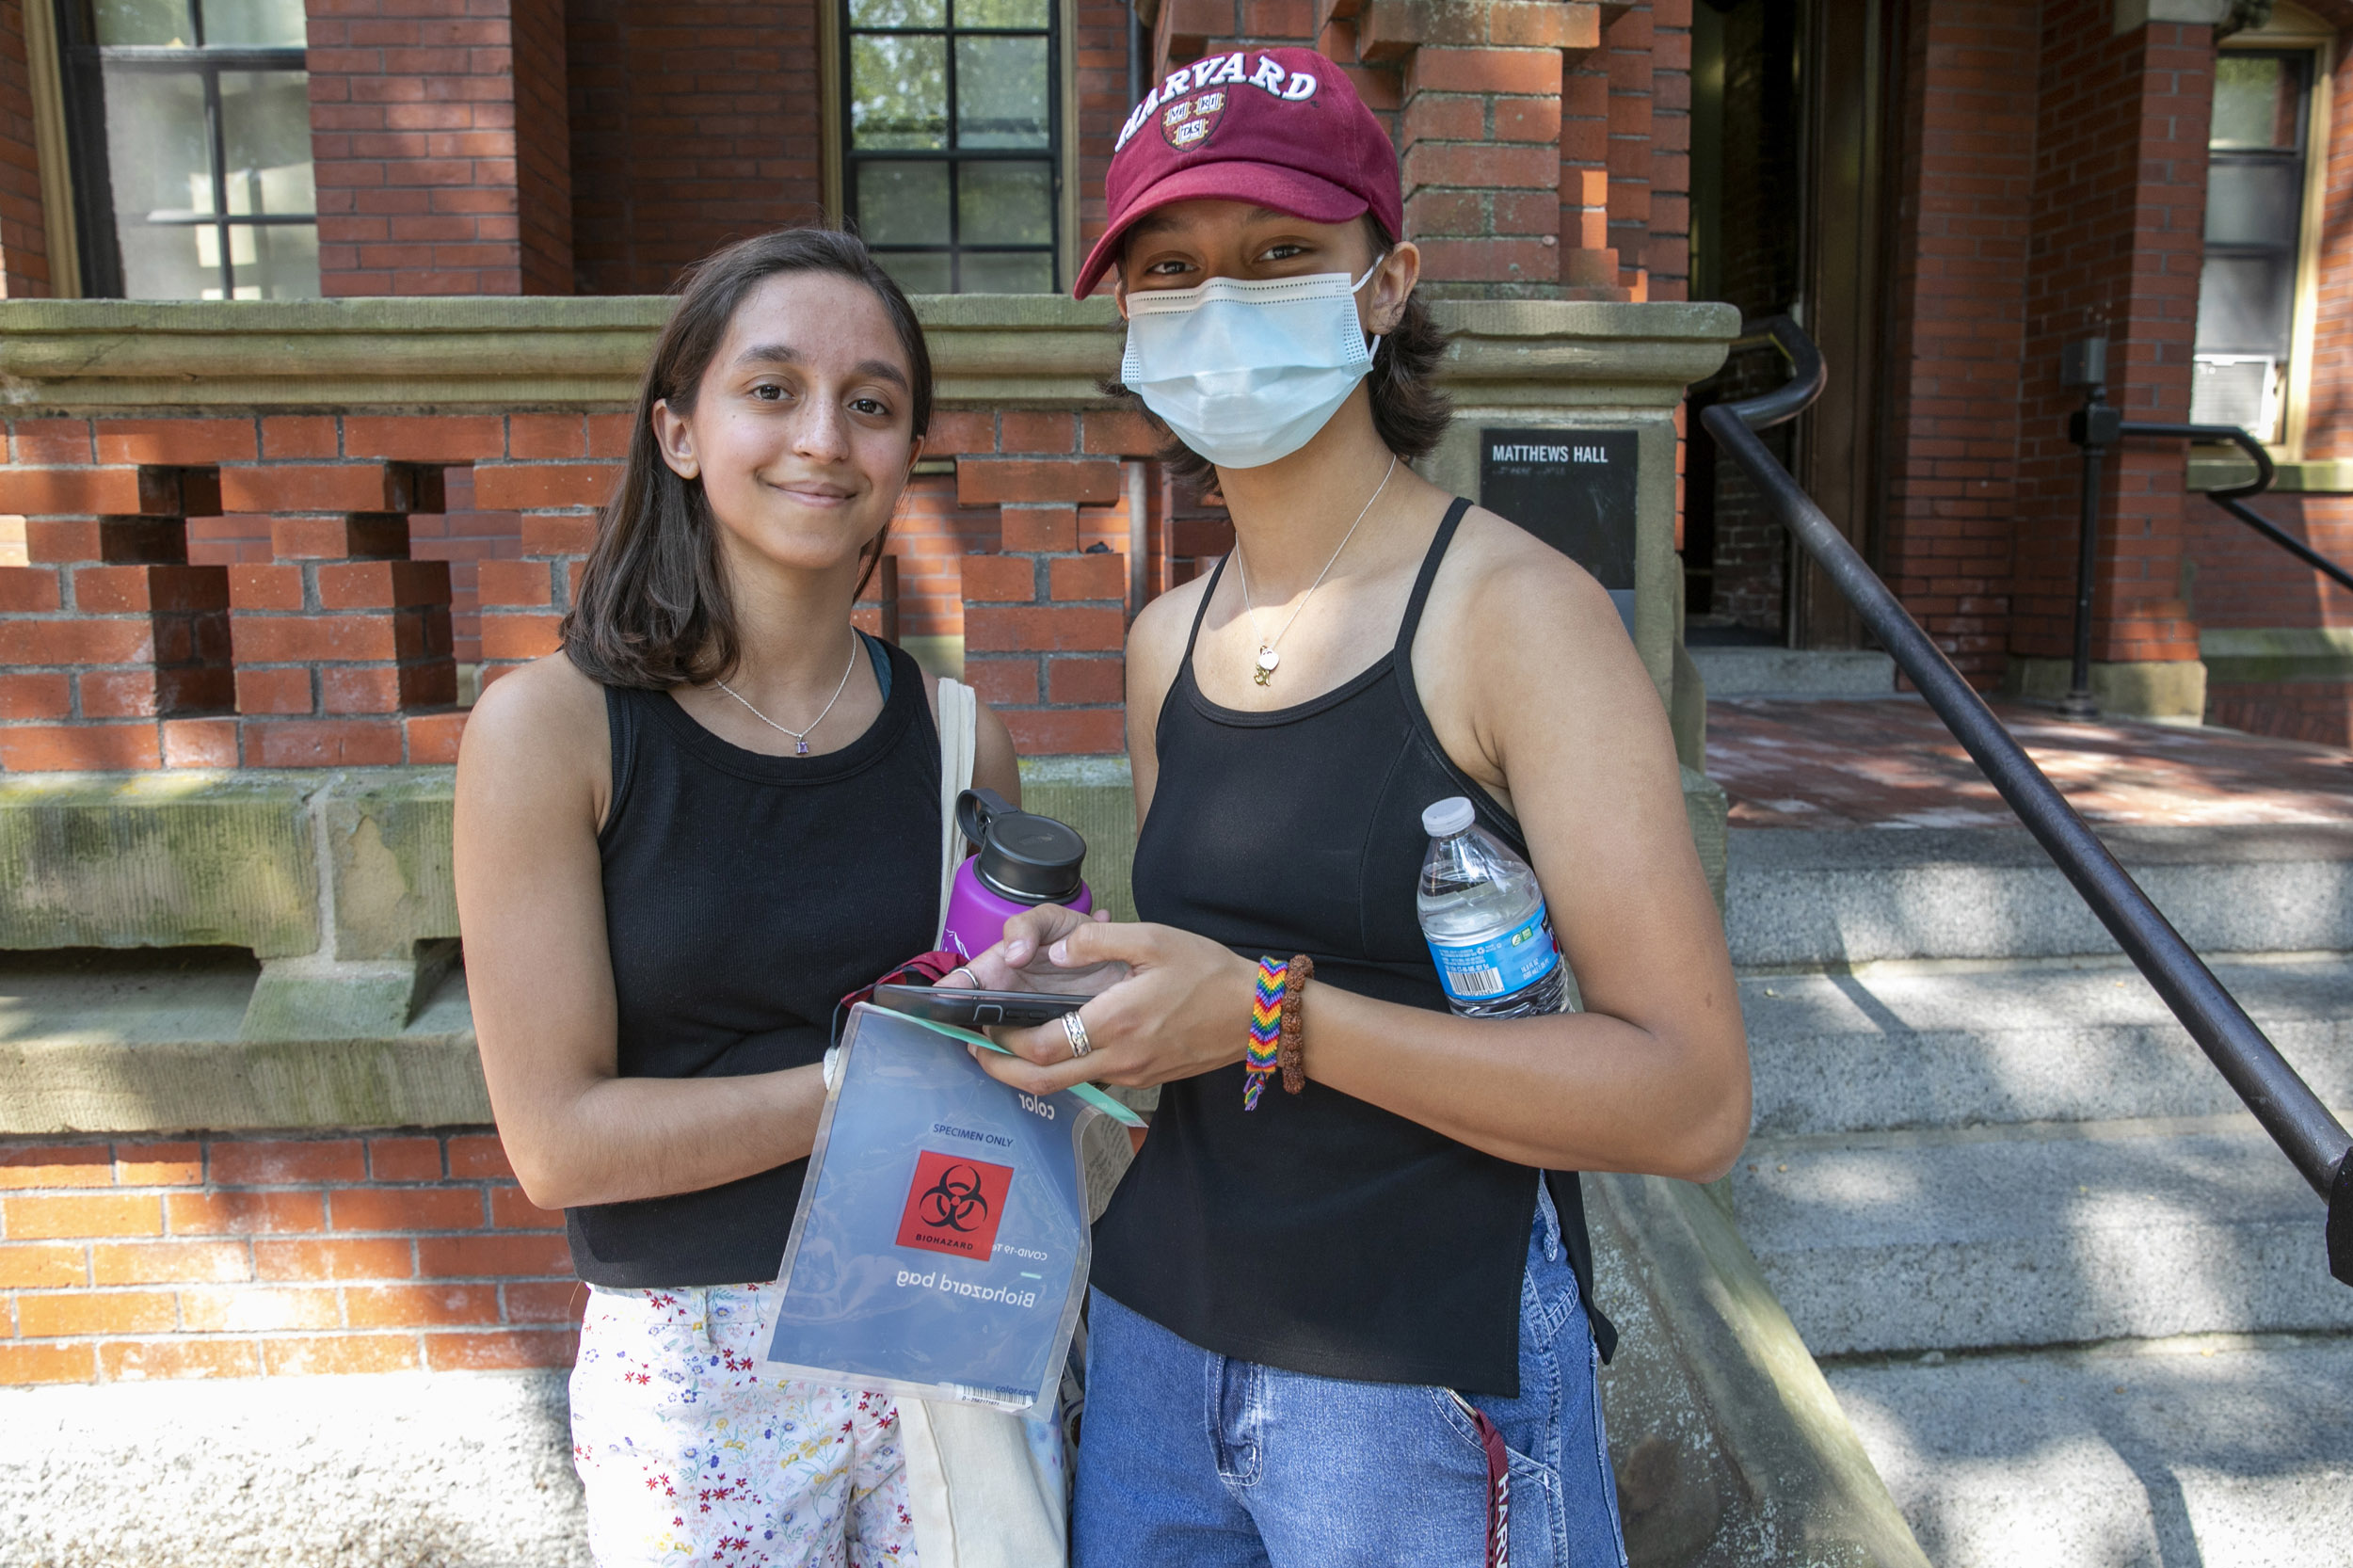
(917, 272)
(903, 204)
(1017, 273)
(148, 23)
(1001, 92)
(2246, 305)
(1002, 14)
(1006, 204)
(254, 24)
(2254, 204)
(277, 261)
(898, 91)
(2256, 99)
(898, 13)
(156, 146)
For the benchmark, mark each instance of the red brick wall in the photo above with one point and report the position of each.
(691, 126)
(2119, 216)
(24, 235)
(1967, 173)
(257, 1257)
(439, 167)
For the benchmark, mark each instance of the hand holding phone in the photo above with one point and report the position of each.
(970, 1008)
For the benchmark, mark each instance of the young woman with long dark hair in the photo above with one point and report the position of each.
(679, 841)
(1341, 1327)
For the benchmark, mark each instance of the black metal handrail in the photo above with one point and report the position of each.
(2231, 498)
(2283, 1102)
(2099, 424)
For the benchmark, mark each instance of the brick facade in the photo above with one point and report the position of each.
(441, 147)
(260, 1256)
(691, 126)
(2118, 214)
(23, 235)
(2048, 183)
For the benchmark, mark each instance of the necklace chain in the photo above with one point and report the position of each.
(1269, 659)
(800, 737)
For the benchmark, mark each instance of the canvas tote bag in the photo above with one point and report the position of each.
(978, 1494)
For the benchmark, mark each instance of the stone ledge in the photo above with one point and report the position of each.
(370, 1029)
(2321, 477)
(163, 1041)
(1034, 350)
(2270, 653)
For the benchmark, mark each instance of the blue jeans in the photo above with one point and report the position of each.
(1191, 1460)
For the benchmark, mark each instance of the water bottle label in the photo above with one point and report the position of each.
(1481, 971)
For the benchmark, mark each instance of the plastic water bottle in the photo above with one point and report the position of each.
(1484, 916)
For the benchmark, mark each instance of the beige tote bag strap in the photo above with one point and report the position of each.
(959, 733)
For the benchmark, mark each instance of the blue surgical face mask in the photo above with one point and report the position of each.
(1245, 372)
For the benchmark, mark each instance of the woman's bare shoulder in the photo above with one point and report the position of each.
(541, 726)
(1161, 627)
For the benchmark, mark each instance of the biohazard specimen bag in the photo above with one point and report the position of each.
(940, 1249)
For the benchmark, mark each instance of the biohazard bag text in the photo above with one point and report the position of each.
(940, 1249)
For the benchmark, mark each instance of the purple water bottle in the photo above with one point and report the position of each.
(1023, 860)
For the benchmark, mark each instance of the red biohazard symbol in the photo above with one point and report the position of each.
(1187, 124)
(954, 1205)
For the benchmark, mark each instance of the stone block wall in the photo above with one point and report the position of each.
(218, 1256)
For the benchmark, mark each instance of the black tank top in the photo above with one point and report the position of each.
(743, 895)
(1319, 1233)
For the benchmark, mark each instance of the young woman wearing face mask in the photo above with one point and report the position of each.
(679, 842)
(1348, 1325)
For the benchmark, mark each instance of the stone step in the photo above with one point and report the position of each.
(2209, 1451)
(2041, 1234)
(1786, 672)
(1899, 1046)
(1798, 899)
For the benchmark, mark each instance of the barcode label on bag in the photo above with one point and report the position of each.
(1500, 965)
(1010, 1398)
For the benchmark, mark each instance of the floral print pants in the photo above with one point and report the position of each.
(692, 1452)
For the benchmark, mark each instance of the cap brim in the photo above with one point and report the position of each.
(1286, 190)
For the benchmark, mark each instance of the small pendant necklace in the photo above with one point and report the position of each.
(1269, 660)
(800, 737)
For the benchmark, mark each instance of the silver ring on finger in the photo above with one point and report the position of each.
(1075, 1028)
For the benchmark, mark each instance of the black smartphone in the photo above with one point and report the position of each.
(969, 1009)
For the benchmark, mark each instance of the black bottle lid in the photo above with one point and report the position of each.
(1026, 857)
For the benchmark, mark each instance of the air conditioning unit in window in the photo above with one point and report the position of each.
(2237, 389)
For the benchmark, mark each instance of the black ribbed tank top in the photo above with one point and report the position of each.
(1319, 1233)
(743, 895)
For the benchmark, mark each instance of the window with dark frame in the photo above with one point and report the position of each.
(951, 141)
(190, 129)
(2258, 149)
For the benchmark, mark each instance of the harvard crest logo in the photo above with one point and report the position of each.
(1188, 122)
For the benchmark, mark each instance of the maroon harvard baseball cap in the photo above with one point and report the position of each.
(1279, 128)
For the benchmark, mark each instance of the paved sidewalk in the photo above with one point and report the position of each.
(1890, 762)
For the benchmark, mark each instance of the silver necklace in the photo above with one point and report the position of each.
(1269, 660)
(800, 737)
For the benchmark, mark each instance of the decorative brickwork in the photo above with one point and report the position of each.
(1045, 619)
(111, 645)
(442, 167)
(243, 1256)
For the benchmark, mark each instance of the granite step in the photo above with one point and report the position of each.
(2050, 1233)
(1800, 899)
(2210, 1451)
(1952, 1045)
